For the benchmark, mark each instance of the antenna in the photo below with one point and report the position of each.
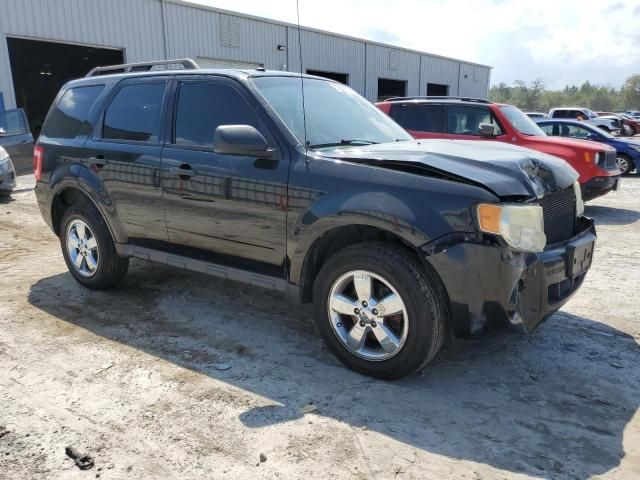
(304, 112)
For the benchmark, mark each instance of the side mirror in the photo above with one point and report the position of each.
(241, 140)
(486, 130)
(592, 136)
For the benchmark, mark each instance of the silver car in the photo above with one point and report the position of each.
(7, 173)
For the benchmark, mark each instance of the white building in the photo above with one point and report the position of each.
(47, 42)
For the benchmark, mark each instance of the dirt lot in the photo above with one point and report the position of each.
(178, 375)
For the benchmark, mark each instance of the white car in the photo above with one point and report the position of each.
(7, 173)
(589, 116)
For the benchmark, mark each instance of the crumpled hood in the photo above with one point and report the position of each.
(506, 170)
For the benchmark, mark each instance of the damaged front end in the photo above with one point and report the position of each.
(492, 286)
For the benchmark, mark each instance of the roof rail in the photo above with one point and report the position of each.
(462, 99)
(187, 63)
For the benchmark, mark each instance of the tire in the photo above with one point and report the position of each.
(418, 332)
(633, 130)
(624, 163)
(97, 247)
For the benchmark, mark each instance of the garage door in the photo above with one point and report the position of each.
(218, 63)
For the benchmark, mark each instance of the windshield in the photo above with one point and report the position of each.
(521, 122)
(335, 114)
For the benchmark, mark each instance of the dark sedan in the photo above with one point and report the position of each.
(627, 150)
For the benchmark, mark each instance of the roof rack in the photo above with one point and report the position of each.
(462, 99)
(187, 63)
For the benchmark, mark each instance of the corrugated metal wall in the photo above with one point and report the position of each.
(195, 32)
(153, 29)
(441, 71)
(329, 53)
(135, 26)
(385, 62)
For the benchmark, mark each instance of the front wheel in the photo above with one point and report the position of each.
(624, 163)
(379, 310)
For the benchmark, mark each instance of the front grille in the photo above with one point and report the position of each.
(559, 209)
(607, 160)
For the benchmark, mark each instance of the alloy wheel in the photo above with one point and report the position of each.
(623, 164)
(82, 247)
(368, 315)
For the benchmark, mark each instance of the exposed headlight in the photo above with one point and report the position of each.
(521, 226)
(579, 201)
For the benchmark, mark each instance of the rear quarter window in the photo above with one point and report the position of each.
(418, 117)
(134, 113)
(70, 118)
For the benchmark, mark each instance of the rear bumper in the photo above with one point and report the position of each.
(598, 186)
(492, 287)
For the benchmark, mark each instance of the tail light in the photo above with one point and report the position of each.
(38, 154)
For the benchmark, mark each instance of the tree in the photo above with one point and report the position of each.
(534, 95)
(631, 92)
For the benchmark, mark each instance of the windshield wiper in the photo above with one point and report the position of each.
(352, 141)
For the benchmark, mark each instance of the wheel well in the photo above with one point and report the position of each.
(61, 202)
(334, 241)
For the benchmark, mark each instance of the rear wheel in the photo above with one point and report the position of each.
(624, 163)
(379, 311)
(632, 130)
(88, 248)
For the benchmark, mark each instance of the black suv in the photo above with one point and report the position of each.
(400, 244)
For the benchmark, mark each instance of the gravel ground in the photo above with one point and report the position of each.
(179, 375)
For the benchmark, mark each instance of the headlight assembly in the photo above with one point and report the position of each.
(521, 226)
(579, 202)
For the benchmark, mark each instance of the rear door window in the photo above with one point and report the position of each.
(550, 129)
(134, 113)
(466, 120)
(12, 123)
(204, 106)
(418, 117)
(574, 131)
(70, 118)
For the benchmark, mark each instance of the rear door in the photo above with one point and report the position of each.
(124, 152)
(463, 122)
(17, 140)
(421, 120)
(218, 204)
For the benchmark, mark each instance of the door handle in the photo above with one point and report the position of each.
(98, 161)
(184, 172)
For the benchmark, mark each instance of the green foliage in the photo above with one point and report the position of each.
(534, 96)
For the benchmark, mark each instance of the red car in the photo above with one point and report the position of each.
(477, 119)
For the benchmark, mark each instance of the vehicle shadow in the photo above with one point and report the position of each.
(553, 404)
(612, 216)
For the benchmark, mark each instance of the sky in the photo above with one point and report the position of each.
(563, 42)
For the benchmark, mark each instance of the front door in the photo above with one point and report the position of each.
(16, 139)
(223, 207)
(124, 153)
(462, 122)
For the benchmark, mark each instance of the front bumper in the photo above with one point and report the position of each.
(492, 287)
(598, 186)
